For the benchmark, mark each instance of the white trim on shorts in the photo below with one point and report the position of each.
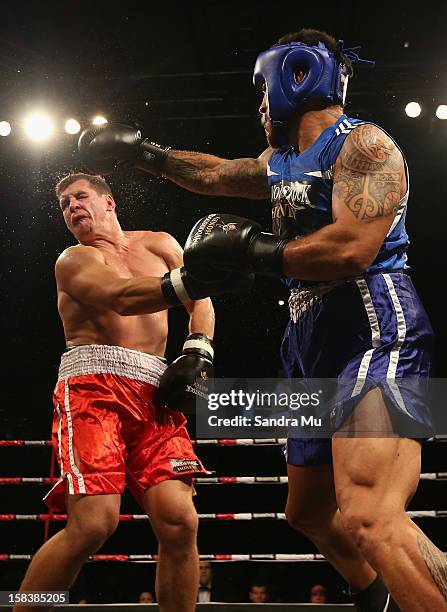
(105, 359)
(74, 468)
(59, 439)
(395, 352)
(375, 336)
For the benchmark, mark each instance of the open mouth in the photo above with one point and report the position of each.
(77, 220)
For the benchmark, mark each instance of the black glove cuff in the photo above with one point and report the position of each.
(197, 343)
(152, 157)
(173, 288)
(266, 254)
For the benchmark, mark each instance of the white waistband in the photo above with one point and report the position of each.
(104, 359)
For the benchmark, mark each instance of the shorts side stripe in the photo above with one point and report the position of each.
(70, 483)
(401, 334)
(74, 467)
(59, 439)
(375, 336)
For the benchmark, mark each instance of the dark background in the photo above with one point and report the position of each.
(183, 72)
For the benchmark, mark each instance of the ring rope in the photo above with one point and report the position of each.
(217, 480)
(226, 516)
(214, 557)
(205, 442)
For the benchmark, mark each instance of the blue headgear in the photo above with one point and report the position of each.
(325, 78)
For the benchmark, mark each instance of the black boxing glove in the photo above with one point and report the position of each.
(188, 377)
(229, 242)
(180, 285)
(104, 147)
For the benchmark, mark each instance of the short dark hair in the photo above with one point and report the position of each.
(258, 583)
(98, 183)
(312, 37)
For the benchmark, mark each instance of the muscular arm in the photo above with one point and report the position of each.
(82, 273)
(368, 179)
(211, 175)
(201, 317)
(201, 312)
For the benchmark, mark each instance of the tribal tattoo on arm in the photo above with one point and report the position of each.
(211, 175)
(368, 173)
(436, 562)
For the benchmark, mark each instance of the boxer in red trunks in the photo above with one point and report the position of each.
(107, 431)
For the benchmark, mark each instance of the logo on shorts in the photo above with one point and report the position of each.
(184, 465)
(229, 227)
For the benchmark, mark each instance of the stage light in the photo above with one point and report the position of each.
(72, 126)
(99, 120)
(38, 127)
(413, 109)
(5, 128)
(441, 111)
(281, 302)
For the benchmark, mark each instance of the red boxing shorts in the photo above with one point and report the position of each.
(107, 431)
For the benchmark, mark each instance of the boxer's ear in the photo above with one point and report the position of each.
(111, 204)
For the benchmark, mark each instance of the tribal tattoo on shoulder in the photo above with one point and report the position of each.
(368, 173)
(436, 562)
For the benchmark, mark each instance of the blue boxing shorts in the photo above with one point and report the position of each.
(373, 328)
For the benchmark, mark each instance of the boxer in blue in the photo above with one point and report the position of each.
(339, 190)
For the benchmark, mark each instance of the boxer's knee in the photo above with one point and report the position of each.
(372, 532)
(90, 531)
(177, 532)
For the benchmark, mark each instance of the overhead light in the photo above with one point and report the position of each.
(38, 126)
(99, 120)
(5, 128)
(72, 126)
(413, 109)
(441, 111)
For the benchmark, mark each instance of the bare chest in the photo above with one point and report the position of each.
(136, 261)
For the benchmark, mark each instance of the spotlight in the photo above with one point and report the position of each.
(413, 109)
(38, 127)
(5, 128)
(72, 126)
(281, 302)
(99, 120)
(441, 111)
